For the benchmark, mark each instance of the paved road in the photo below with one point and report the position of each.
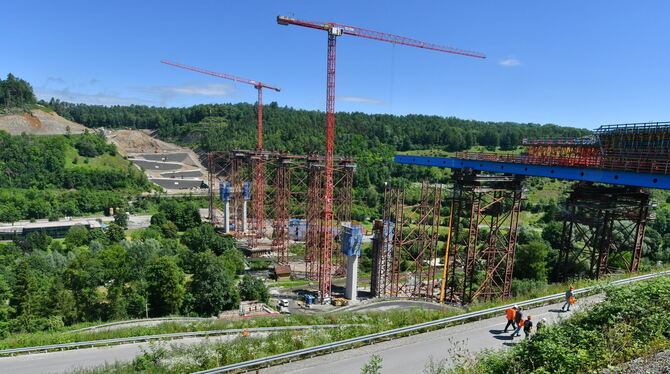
(411, 354)
(66, 361)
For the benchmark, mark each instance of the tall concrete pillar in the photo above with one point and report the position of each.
(352, 278)
(226, 217)
(244, 216)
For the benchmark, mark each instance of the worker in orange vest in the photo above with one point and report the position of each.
(518, 319)
(569, 298)
(511, 313)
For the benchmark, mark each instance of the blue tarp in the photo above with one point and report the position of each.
(351, 239)
(224, 191)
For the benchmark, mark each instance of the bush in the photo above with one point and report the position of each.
(631, 322)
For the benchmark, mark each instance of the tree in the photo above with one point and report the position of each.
(159, 219)
(39, 241)
(252, 288)
(552, 234)
(6, 309)
(15, 92)
(76, 236)
(24, 295)
(205, 237)
(166, 288)
(170, 230)
(531, 261)
(121, 218)
(115, 233)
(212, 285)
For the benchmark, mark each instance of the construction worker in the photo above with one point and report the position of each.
(541, 324)
(511, 313)
(569, 298)
(527, 327)
(518, 319)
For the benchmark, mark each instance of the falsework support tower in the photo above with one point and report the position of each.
(479, 257)
(603, 229)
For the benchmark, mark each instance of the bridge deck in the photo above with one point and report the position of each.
(559, 172)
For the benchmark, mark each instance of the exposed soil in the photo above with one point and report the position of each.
(39, 122)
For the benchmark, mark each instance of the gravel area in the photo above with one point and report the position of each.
(655, 364)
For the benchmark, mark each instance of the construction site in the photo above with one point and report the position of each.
(270, 199)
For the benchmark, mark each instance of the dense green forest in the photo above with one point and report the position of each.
(100, 275)
(15, 92)
(63, 175)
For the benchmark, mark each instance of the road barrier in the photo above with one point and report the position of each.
(134, 339)
(384, 334)
(166, 319)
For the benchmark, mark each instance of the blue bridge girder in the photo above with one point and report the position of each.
(625, 178)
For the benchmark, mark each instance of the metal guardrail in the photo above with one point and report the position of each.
(402, 330)
(134, 339)
(167, 319)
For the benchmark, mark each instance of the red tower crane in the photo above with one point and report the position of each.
(257, 85)
(334, 30)
(258, 191)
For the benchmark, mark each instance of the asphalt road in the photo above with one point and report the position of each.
(66, 361)
(411, 354)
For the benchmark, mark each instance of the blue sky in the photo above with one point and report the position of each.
(575, 63)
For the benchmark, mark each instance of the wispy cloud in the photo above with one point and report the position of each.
(207, 89)
(85, 98)
(510, 62)
(165, 93)
(359, 99)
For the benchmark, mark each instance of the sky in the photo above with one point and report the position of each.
(572, 63)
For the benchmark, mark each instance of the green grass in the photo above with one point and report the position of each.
(293, 283)
(102, 162)
(48, 338)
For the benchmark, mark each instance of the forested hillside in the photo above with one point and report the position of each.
(61, 175)
(371, 138)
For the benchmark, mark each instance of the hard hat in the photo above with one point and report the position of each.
(572, 287)
(529, 317)
(544, 320)
(516, 306)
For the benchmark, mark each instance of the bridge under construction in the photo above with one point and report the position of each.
(603, 218)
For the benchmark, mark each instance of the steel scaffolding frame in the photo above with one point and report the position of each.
(290, 200)
(230, 167)
(344, 180)
(317, 262)
(601, 225)
(484, 228)
(405, 261)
